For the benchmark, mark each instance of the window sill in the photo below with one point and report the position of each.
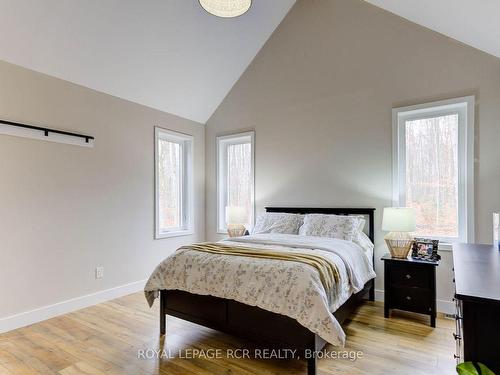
(445, 246)
(177, 233)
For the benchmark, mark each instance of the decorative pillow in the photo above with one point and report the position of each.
(278, 222)
(335, 226)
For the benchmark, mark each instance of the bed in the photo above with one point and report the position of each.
(269, 328)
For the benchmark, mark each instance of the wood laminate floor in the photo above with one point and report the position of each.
(108, 339)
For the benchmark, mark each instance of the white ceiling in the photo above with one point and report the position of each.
(172, 55)
(473, 22)
(166, 54)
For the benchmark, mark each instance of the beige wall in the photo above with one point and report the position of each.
(65, 209)
(319, 95)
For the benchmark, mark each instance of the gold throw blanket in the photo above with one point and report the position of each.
(327, 270)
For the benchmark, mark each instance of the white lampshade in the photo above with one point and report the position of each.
(226, 8)
(236, 215)
(399, 219)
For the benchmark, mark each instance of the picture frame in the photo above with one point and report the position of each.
(425, 249)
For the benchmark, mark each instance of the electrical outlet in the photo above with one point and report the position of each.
(99, 272)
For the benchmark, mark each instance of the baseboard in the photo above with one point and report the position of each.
(43, 313)
(46, 312)
(445, 307)
(379, 295)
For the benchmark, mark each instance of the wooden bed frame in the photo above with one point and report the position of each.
(266, 328)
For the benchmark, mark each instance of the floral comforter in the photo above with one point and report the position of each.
(280, 286)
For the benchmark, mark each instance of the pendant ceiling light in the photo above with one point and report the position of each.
(226, 8)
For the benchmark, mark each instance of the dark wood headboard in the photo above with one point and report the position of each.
(368, 212)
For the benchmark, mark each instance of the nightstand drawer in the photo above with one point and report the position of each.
(412, 276)
(410, 284)
(411, 299)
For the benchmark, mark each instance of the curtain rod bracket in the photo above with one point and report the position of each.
(46, 131)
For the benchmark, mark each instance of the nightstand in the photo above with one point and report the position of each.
(410, 285)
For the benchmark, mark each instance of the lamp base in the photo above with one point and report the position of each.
(399, 244)
(236, 230)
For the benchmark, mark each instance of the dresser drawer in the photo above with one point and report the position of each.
(411, 299)
(411, 276)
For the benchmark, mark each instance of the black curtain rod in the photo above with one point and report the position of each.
(46, 130)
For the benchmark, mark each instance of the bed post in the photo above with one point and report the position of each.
(311, 365)
(163, 315)
(371, 234)
(371, 295)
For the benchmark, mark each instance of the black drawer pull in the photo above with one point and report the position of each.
(456, 356)
(456, 337)
(408, 298)
(408, 276)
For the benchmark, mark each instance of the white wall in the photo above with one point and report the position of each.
(319, 96)
(66, 209)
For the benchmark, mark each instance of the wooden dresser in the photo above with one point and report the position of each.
(477, 298)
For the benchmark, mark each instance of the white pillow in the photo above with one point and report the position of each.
(335, 226)
(278, 222)
(364, 241)
(366, 244)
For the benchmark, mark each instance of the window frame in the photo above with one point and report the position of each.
(465, 107)
(186, 190)
(221, 144)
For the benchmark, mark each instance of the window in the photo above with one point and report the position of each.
(235, 176)
(173, 183)
(433, 167)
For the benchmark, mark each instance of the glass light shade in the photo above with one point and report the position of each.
(236, 215)
(226, 8)
(399, 219)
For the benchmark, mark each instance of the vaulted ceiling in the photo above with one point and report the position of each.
(167, 54)
(472, 22)
(172, 55)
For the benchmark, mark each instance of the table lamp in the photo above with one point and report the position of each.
(236, 219)
(399, 221)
